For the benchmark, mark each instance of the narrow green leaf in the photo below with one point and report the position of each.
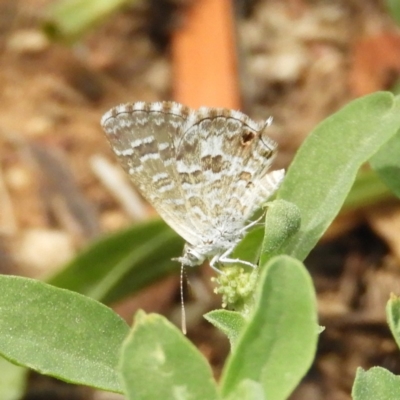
(278, 345)
(122, 263)
(393, 317)
(393, 7)
(376, 384)
(60, 333)
(158, 362)
(250, 247)
(68, 20)
(229, 322)
(386, 162)
(12, 380)
(325, 167)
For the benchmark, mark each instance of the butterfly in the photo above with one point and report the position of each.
(205, 171)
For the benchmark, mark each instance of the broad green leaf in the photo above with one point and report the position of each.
(122, 263)
(386, 162)
(325, 167)
(393, 317)
(376, 384)
(158, 362)
(229, 322)
(247, 390)
(368, 189)
(60, 333)
(281, 222)
(12, 380)
(277, 346)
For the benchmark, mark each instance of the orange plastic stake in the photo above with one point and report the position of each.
(204, 56)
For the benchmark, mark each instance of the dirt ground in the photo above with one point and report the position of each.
(300, 61)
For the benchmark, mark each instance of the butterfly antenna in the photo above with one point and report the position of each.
(183, 311)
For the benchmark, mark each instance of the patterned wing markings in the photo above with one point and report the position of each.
(145, 148)
(204, 171)
(222, 160)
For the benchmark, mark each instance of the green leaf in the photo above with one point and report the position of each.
(368, 189)
(393, 317)
(393, 7)
(12, 380)
(386, 162)
(122, 263)
(68, 20)
(277, 346)
(249, 248)
(281, 222)
(325, 167)
(229, 322)
(60, 333)
(158, 362)
(247, 390)
(376, 384)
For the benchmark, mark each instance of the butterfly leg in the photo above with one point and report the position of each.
(223, 258)
(238, 261)
(252, 223)
(213, 261)
(226, 260)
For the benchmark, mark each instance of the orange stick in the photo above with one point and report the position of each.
(204, 56)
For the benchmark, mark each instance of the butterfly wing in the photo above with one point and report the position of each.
(144, 136)
(222, 160)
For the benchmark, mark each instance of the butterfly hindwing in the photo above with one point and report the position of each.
(143, 137)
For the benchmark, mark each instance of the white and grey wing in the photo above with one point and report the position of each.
(143, 137)
(222, 161)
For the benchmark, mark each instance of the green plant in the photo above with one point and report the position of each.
(68, 20)
(378, 383)
(274, 330)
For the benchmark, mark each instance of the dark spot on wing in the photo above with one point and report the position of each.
(247, 137)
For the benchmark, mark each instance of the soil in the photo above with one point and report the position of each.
(300, 62)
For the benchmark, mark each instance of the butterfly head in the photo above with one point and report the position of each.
(191, 256)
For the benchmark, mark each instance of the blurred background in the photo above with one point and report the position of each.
(64, 200)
